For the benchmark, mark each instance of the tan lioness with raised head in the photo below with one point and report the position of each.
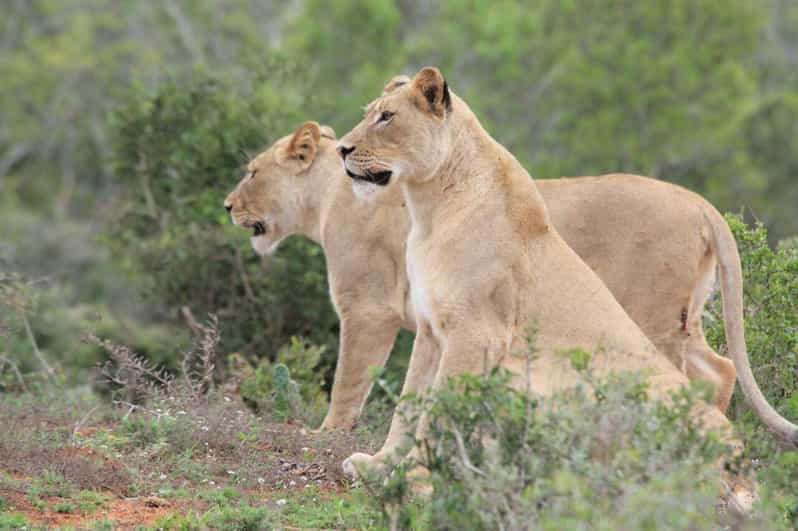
(485, 260)
(655, 245)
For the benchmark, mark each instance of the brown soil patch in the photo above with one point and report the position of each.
(303, 458)
(125, 513)
(84, 467)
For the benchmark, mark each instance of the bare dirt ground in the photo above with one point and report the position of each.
(133, 472)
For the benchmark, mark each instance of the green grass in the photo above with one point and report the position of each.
(64, 507)
(13, 521)
(88, 501)
(312, 508)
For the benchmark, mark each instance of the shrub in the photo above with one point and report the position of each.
(181, 149)
(770, 285)
(241, 518)
(183, 409)
(770, 289)
(64, 508)
(291, 386)
(13, 521)
(603, 453)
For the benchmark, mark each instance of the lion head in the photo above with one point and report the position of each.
(275, 196)
(403, 135)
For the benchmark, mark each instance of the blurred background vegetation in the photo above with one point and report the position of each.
(123, 125)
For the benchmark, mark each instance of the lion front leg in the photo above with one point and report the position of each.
(470, 351)
(365, 344)
(420, 376)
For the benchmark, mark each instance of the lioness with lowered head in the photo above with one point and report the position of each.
(484, 259)
(655, 245)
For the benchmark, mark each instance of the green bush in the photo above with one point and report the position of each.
(290, 388)
(13, 521)
(770, 288)
(603, 453)
(180, 150)
(241, 518)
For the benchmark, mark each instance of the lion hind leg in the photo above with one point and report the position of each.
(701, 361)
(365, 345)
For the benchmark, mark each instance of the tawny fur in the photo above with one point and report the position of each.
(649, 241)
(484, 261)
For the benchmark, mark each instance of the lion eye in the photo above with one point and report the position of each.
(385, 116)
(252, 175)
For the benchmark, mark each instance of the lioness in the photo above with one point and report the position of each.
(654, 244)
(484, 259)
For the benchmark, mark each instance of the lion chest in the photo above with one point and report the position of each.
(434, 301)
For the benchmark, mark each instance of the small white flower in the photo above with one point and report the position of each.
(305, 449)
(181, 412)
(211, 482)
(281, 502)
(261, 481)
(162, 477)
(227, 399)
(231, 472)
(292, 483)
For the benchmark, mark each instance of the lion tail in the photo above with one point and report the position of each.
(731, 283)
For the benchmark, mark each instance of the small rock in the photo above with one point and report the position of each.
(155, 501)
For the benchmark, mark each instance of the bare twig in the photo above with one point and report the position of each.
(244, 278)
(207, 345)
(463, 455)
(184, 30)
(79, 424)
(191, 321)
(47, 368)
(131, 407)
(5, 361)
(136, 376)
(142, 168)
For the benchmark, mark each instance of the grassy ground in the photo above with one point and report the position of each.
(76, 462)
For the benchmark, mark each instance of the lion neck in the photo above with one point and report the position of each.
(324, 180)
(476, 170)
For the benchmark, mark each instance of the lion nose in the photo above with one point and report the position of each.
(228, 206)
(344, 150)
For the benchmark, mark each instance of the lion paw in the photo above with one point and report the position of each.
(360, 466)
(419, 479)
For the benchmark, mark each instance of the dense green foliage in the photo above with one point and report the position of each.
(128, 124)
(174, 149)
(770, 280)
(123, 125)
(603, 453)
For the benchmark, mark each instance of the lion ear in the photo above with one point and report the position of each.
(433, 91)
(395, 83)
(303, 146)
(328, 132)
